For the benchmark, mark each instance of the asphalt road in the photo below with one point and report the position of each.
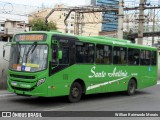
(144, 100)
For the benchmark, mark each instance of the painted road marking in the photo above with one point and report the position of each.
(54, 109)
(4, 95)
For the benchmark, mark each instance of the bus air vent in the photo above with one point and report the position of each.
(22, 76)
(65, 76)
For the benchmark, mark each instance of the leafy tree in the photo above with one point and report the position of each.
(38, 24)
(127, 37)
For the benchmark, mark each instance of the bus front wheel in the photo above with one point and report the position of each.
(75, 92)
(131, 87)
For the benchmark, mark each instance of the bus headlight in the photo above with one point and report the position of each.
(40, 81)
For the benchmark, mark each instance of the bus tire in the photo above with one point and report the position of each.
(75, 92)
(131, 87)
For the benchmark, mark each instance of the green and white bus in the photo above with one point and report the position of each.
(48, 64)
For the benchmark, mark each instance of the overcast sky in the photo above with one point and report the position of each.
(8, 8)
(18, 9)
(48, 2)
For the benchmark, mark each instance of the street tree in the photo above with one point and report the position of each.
(38, 24)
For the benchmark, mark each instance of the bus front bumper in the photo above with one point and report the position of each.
(40, 91)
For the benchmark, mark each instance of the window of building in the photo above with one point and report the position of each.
(71, 31)
(133, 56)
(84, 52)
(72, 17)
(145, 57)
(119, 55)
(2, 27)
(83, 31)
(103, 54)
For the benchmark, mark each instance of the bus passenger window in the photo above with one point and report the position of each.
(119, 55)
(84, 52)
(65, 52)
(133, 56)
(54, 54)
(153, 58)
(145, 57)
(104, 54)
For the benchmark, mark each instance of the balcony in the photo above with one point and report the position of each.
(11, 31)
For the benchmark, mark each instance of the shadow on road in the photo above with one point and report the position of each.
(54, 101)
(112, 95)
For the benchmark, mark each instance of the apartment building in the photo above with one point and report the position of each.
(10, 27)
(87, 24)
(109, 19)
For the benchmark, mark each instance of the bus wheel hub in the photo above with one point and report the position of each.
(75, 92)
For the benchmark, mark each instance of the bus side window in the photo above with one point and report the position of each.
(133, 56)
(145, 57)
(103, 54)
(153, 58)
(119, 55)
(84, 52)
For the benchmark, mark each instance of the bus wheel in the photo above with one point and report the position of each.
(75, 92)
(131, 87)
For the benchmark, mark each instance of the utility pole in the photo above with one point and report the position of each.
(77, 19)
(120, 20)
(153, 27)
(141, 21)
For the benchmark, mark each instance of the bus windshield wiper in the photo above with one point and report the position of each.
(34, 45)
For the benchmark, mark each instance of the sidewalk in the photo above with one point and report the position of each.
(5, 92)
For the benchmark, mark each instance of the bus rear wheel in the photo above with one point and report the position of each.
(75, 93)
(131, 87)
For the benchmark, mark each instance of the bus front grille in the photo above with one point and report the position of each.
(22, 76)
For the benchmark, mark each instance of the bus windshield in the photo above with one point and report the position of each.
(30, 58)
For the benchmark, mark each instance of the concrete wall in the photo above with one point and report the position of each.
(3, 65)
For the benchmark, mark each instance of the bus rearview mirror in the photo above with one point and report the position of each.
(4, 53)
(60, 54)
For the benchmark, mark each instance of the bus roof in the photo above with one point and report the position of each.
(95, 39)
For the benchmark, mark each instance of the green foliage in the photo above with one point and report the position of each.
(126, 37)
(38, 24)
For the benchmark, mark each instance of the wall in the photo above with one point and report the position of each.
(3, 65)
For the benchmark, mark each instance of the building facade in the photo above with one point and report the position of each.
(10, 27)
(86, 24)
(109, 19)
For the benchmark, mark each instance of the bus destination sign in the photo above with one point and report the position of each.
(30, 37)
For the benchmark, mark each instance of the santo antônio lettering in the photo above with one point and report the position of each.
(102, 74)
